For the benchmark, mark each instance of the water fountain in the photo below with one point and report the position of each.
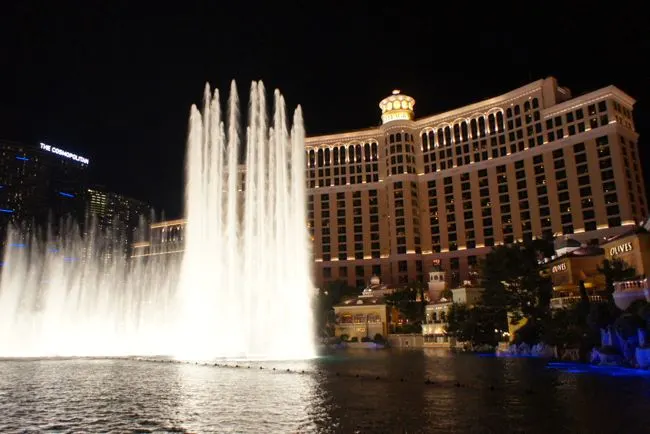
(241, 289)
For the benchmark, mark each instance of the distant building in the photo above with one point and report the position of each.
(118, 212)
(575, 266)
(367, 314)
(40, 183)
(633, 247)
(443, 189)
(166, 237)
(437, 311)
(535, 161)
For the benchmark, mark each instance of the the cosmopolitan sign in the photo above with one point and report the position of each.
(621, 248)
(65, 154)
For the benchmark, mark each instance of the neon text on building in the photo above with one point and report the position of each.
(66, 154)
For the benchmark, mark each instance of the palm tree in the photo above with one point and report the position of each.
(615, 270)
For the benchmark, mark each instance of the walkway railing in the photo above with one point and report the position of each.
(561, 302)
(631, 285)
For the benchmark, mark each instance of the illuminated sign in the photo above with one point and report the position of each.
(396, 116)
(621, 248)
(66, 154)
(558, 267)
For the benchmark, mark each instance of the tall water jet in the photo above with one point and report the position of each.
(241, 289)
(76, 294)
(244, 284)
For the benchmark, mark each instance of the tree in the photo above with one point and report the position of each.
(565, 328)
(410, 303)
(332, 294)
(514, 282)
(447, 294)
(615, 270)
(476, 325)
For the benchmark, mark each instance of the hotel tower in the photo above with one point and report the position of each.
(396, 200)
(442, 190)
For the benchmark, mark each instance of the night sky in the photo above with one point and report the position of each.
(114, 81)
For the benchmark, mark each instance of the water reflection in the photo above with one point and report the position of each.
(383, 391)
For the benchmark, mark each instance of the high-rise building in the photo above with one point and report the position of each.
(440, 191)
(115, 211)
(443, 189)
(40, 183)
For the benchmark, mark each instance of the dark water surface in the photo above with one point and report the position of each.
(336, 393)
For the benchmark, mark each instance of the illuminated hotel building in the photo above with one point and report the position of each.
(116, 212)
(39, 183)
(395, 200)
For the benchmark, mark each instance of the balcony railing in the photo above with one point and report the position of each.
(631, 285)
(561, 302)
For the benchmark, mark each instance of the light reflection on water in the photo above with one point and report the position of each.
(382, 391)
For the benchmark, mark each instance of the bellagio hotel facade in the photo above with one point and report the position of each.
(396, 200)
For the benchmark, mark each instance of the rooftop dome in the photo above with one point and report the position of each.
(397, 107)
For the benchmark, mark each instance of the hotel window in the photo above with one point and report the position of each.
(602, 106)
(604, 120)
(579, 114)
(614, 222)
(591, 109)
(569, 117)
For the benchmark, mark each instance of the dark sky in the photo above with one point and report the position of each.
(114, 80)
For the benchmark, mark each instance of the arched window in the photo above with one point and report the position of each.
(517, 110)
(366, 152)
(481, 126)
(342, 154)
(351, 154)
(500, 122)
(432, 139)
(456, 133)
(425, 142)
(335, 151)
(373, 148)
(535, 103)
(320, 158)
(441, 137)
(473, 128)
(398, 137)
(358, 149)
(509, 112)
(447, 136)
(327, 156)
(312, 158)
(491, 123)
(463, 131)
(526, 106)
(307, 158)
(391, 138)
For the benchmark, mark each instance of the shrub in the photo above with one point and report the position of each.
(354, 339)
(379, 338)
(529, 333)
(627, 324)
(345, 338)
